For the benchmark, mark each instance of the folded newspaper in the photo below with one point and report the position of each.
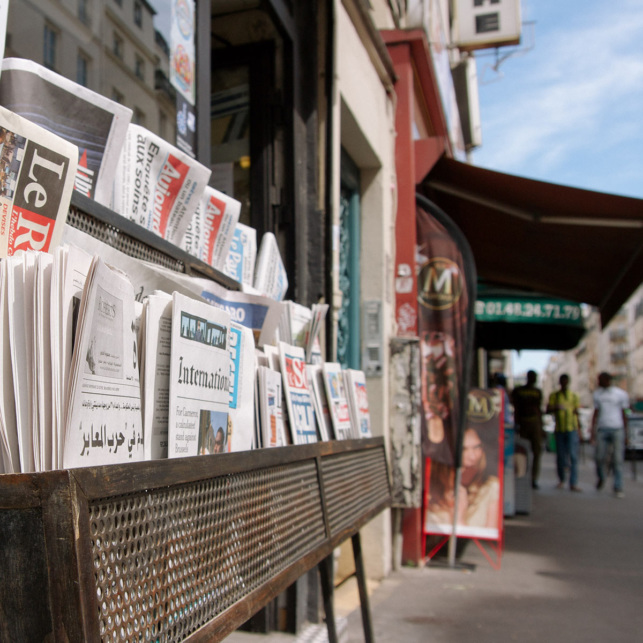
(271, 279)
(104, 421)
(156, 185)
(37, 171)
(210, 232)
(240, 262)
(93, 123)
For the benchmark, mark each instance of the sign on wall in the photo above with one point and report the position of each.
(481, 24)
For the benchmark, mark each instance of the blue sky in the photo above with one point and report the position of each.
(567, 107)
(569, 110)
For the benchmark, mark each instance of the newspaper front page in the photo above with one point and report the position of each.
(158, 186)
(210, 232)
(94, 124)
(199, 379)
(337, 400)
(105, 423)
(299, 402)
(37, 171)
(357, 394)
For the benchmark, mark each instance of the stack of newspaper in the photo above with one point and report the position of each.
(104, 422)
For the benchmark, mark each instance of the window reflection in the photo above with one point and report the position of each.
(230, 134)
(109, 46)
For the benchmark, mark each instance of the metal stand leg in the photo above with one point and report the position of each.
(326, 577)
(363, 594)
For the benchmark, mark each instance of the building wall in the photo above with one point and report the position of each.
(365, 111)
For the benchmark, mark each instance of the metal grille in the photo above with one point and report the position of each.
(168, 561)
(121, 241)
(353, 484)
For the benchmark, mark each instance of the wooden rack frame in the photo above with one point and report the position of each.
(183, 549)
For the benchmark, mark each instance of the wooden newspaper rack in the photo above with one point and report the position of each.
(181, 549)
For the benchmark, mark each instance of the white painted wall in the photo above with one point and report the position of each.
(365, 110)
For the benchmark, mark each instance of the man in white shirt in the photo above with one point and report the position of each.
(609, 428)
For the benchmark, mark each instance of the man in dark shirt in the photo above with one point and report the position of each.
(527, 401)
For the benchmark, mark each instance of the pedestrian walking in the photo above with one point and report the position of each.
(527, 401)
(609, 426)
(563, 404)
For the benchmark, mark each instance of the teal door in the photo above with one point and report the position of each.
(348, 333)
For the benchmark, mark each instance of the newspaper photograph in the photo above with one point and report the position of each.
(104, 424)
(94, 124)
(299, 401)
(37, 171)
(199, 379)
(157, 185)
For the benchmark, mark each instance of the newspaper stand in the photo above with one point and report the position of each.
(183, 549)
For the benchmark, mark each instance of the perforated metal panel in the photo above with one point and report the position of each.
(354, 483)
(168, 561)
(121, 241)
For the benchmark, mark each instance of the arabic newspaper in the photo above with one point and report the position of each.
(93, 123)
(199, 379)
(104, 423)
(357, 394)
(337, 402)
(36, 179)
(271, 279)
(156, 185)
(210, 232)
(298, 398)
(242, 377)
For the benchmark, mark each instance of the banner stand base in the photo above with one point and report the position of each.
(445, 564)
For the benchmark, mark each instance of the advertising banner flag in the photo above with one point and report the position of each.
(446, 298)
(478, 501)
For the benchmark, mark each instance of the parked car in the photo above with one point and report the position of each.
(635, 436)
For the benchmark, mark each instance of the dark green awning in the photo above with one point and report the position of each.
(511, 320)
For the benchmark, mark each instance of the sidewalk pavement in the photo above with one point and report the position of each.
(572, 570)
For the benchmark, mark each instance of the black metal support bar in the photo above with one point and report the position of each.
(360, 574)
(326, 576)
